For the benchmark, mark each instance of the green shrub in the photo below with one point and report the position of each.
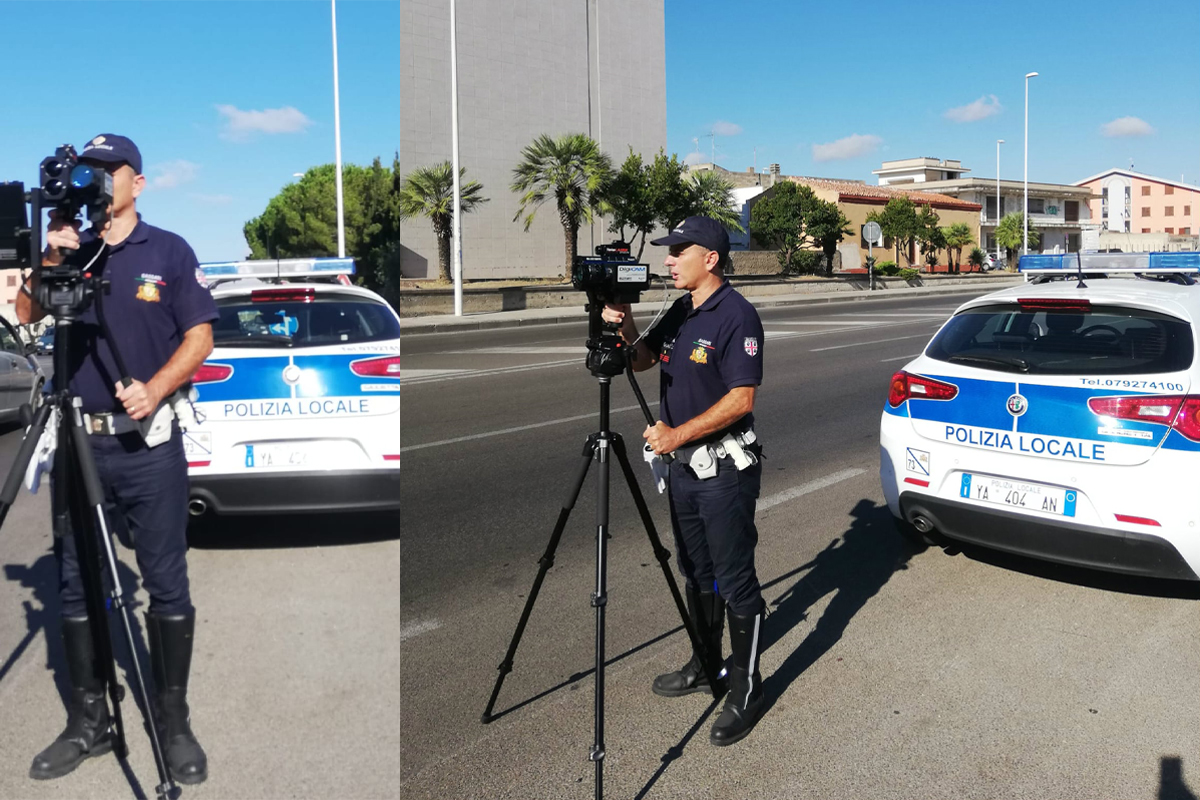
(805, 262)
(909, 274)
(886, 268)
(976, 257)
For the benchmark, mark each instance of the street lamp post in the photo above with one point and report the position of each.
(1025, 210)
(337, 137)
(456, 217)
(997, 228)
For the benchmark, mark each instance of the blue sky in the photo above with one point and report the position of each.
(226, 100)
(786, 77)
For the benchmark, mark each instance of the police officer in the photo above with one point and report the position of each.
(710, 347)
(159, 312)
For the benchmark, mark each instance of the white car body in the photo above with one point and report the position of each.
(297, 428)
(1026, 464)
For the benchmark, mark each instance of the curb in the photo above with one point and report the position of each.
(517, 319)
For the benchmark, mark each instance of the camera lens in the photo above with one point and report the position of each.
(82, 176)
(54, 168)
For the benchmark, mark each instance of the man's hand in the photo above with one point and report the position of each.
(663, 439)
(140, 399)
(615, 313)
(60, 234)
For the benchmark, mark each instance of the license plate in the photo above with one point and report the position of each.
(197, 444)
(1019, 494)
(276, 455)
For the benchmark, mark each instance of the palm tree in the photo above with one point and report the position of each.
(712, 197)
(958, 236)
(429, 192)
(1009, 234)
(573, 171)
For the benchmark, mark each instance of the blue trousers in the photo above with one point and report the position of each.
(146, 493)
(715, 537)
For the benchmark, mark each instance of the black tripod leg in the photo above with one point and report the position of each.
(664, 560)
(16, 473)
(94, 492)
(544, 565)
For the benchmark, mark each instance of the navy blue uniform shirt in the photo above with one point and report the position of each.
(705, 352)
(157, 293)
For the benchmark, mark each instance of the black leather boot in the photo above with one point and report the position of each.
(171, 656)
(707, 611)
(89, 730)
(744, 703)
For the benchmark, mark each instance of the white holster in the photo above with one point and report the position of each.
(703, 458)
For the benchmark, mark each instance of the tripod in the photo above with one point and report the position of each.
(77, 500)
(606, 359)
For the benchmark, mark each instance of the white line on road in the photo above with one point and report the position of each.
(806, 488)
(518, 349)
(516, 429)
(890, 314)
(828, 322)
(897, 358)
(412, 374)
(476, 373)
(417, 628)
(876, 341)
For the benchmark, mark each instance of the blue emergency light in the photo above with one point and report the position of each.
(1050, 263)
(279, 268)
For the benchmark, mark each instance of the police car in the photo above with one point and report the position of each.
(1059, 419)
(298, 407)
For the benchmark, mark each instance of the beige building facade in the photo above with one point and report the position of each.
(1124, 201)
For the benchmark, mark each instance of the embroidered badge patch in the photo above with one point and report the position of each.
(750, 344)
(148, 292)
(699, 355)
(200, 279)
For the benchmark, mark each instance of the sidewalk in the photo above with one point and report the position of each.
(448, 323)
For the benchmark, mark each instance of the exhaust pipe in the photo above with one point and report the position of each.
(922, 523)
(197, 507)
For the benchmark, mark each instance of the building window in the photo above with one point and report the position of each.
(1168, 190)
(1187, 211)
(1169, 211)
(1145, 191)
(1071, 211)
(1145, 230)
(1169, 230)
(990, 206)
(1145, 211)
(12, 280)
(1037, 205)
(1185, 231)
(1104, 203)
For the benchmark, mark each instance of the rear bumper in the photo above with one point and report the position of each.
(299, 492)
(1063, 542)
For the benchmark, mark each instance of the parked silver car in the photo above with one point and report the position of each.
(21, 377)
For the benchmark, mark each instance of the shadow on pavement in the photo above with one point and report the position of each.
(292, 530)
(1078, 576)
(42, 579)
(1171, 785)
(854, 567)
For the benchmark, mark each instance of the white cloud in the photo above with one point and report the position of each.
(722, 128)
(1127, 126)
(984, 107)
(240, 125)
(693, 158)
(212, 199)
(170, 174)
(849, 147)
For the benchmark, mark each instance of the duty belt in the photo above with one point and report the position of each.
(702, 458)
(109, 424)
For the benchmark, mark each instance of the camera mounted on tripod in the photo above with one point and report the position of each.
(67, 186)
(612, 276)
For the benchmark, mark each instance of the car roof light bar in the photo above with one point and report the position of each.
(1110, 263)
(279, 268)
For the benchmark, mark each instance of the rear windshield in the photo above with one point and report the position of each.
(324, 321)
(1101, 340)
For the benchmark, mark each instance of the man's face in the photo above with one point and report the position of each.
(690, 264)
(127, 184)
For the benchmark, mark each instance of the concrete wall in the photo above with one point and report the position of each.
(524, 68)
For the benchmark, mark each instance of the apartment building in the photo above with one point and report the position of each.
(1129, 202)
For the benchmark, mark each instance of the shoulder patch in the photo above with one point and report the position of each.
(750, 345)
(200, 278)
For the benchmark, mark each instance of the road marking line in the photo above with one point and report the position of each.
(517, 349)
(410, 374)
(417, 628)
(517, 429)
(477, 373)
(890, 314)
(807, 488)
(897, 358)
(830, 322)
(876, 341)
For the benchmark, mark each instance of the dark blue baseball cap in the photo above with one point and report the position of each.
(113, 149)
(706, 232)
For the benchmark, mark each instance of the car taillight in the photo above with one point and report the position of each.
(1181, 412)
(906, 386)
(212, 373)
(306, 295)
(1055, 304)
(386, 367)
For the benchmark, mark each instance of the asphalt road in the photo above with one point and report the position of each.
(891, 671)
(296, 684)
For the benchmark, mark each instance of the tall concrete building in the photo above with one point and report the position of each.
(525, 67)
